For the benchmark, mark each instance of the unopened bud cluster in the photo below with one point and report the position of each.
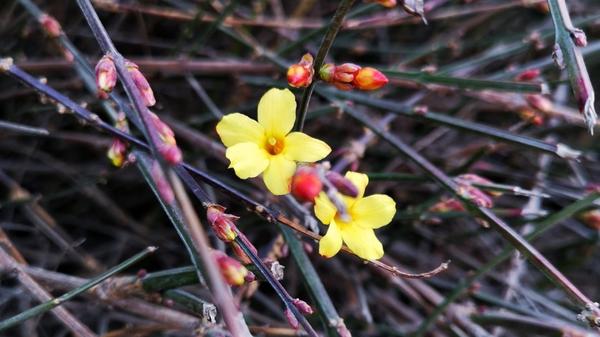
(308, 182)
(302, 307)
(350, 76)
(106, 79)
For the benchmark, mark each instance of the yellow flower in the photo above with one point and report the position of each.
(268, 146)
(363, 215)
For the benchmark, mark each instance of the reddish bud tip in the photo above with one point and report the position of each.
(165, 141)
(233, 272)
(141, 83)
(106, 74)
(387, 3)
(342, 184)
(370, 79)
(300, 75)
(223, 224)
(447, 205)
(475, 195)
(591, 218)
(306, 184)
(50, 25)
(528, 75)
(579, 37)
(117, 153)
(292, 320)
(539, 102)
(302, 306)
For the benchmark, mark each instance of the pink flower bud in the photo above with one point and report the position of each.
(162, 184)
(528, 75)
(166, 143)
(475, 195)
(117, 153)
(306, 184)
(292, 320)
(370, 79)
(223, 224)
(106, 74)
(50, 25)
(302, 306)
(232, 271)
(579, 37)
(539, 102)
(470, 178)
(447, 205)
(387, 3)
(591, 218)
(141, 83)
(300, 75)
(342, 184)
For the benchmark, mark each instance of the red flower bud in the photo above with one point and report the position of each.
(591, 218)
(447, 205)
(531, 116)
(223, 224)
(117, 153)
(50, 25)
(232, 271)
(369, 79)
(302, 306)
(106, 74)
(292, 320)
(387, 3)
(141, 83)
(306, 184)
(475, 195)
(342, 184)
(166, 144)
(528, 75)
(300, 75)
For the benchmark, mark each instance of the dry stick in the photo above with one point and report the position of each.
(76, 327)
(334, 28)
(263, 211)
(567, 54)
(498, 224)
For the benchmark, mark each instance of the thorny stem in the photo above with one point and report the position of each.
(498, 224)
(269, 214)
(334, 28)
(567, 54)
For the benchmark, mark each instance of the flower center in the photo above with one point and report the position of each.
(274, 145)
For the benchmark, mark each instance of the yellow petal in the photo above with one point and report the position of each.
(324, 209)
(331, 243)
(247, 159)
(362, 242)
(360, 180)
(237, 128)
(302, 147)
(277, 112)
(374, 211)
(278, 175)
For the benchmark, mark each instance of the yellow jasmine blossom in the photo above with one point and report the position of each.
(355, 228)
(267, 146)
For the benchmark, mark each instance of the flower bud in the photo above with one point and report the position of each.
(306, 184)
(166, 144)
(539, 102)
(342, 184)
(302, 306)
(447, 205)
(470, 178)
(528, 75)
(106, 74)
(223, 224)
(369, 79)
(591, 218)
(579, 37)
(50, 25)
(141, 83)
(117, 153)
(387, 3)
(300, 75)
(292, 320)
(475, 195)
(162, 184)
(531, 116)
(326, 72)
(232, 271)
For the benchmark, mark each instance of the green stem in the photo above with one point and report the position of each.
(53, 303)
